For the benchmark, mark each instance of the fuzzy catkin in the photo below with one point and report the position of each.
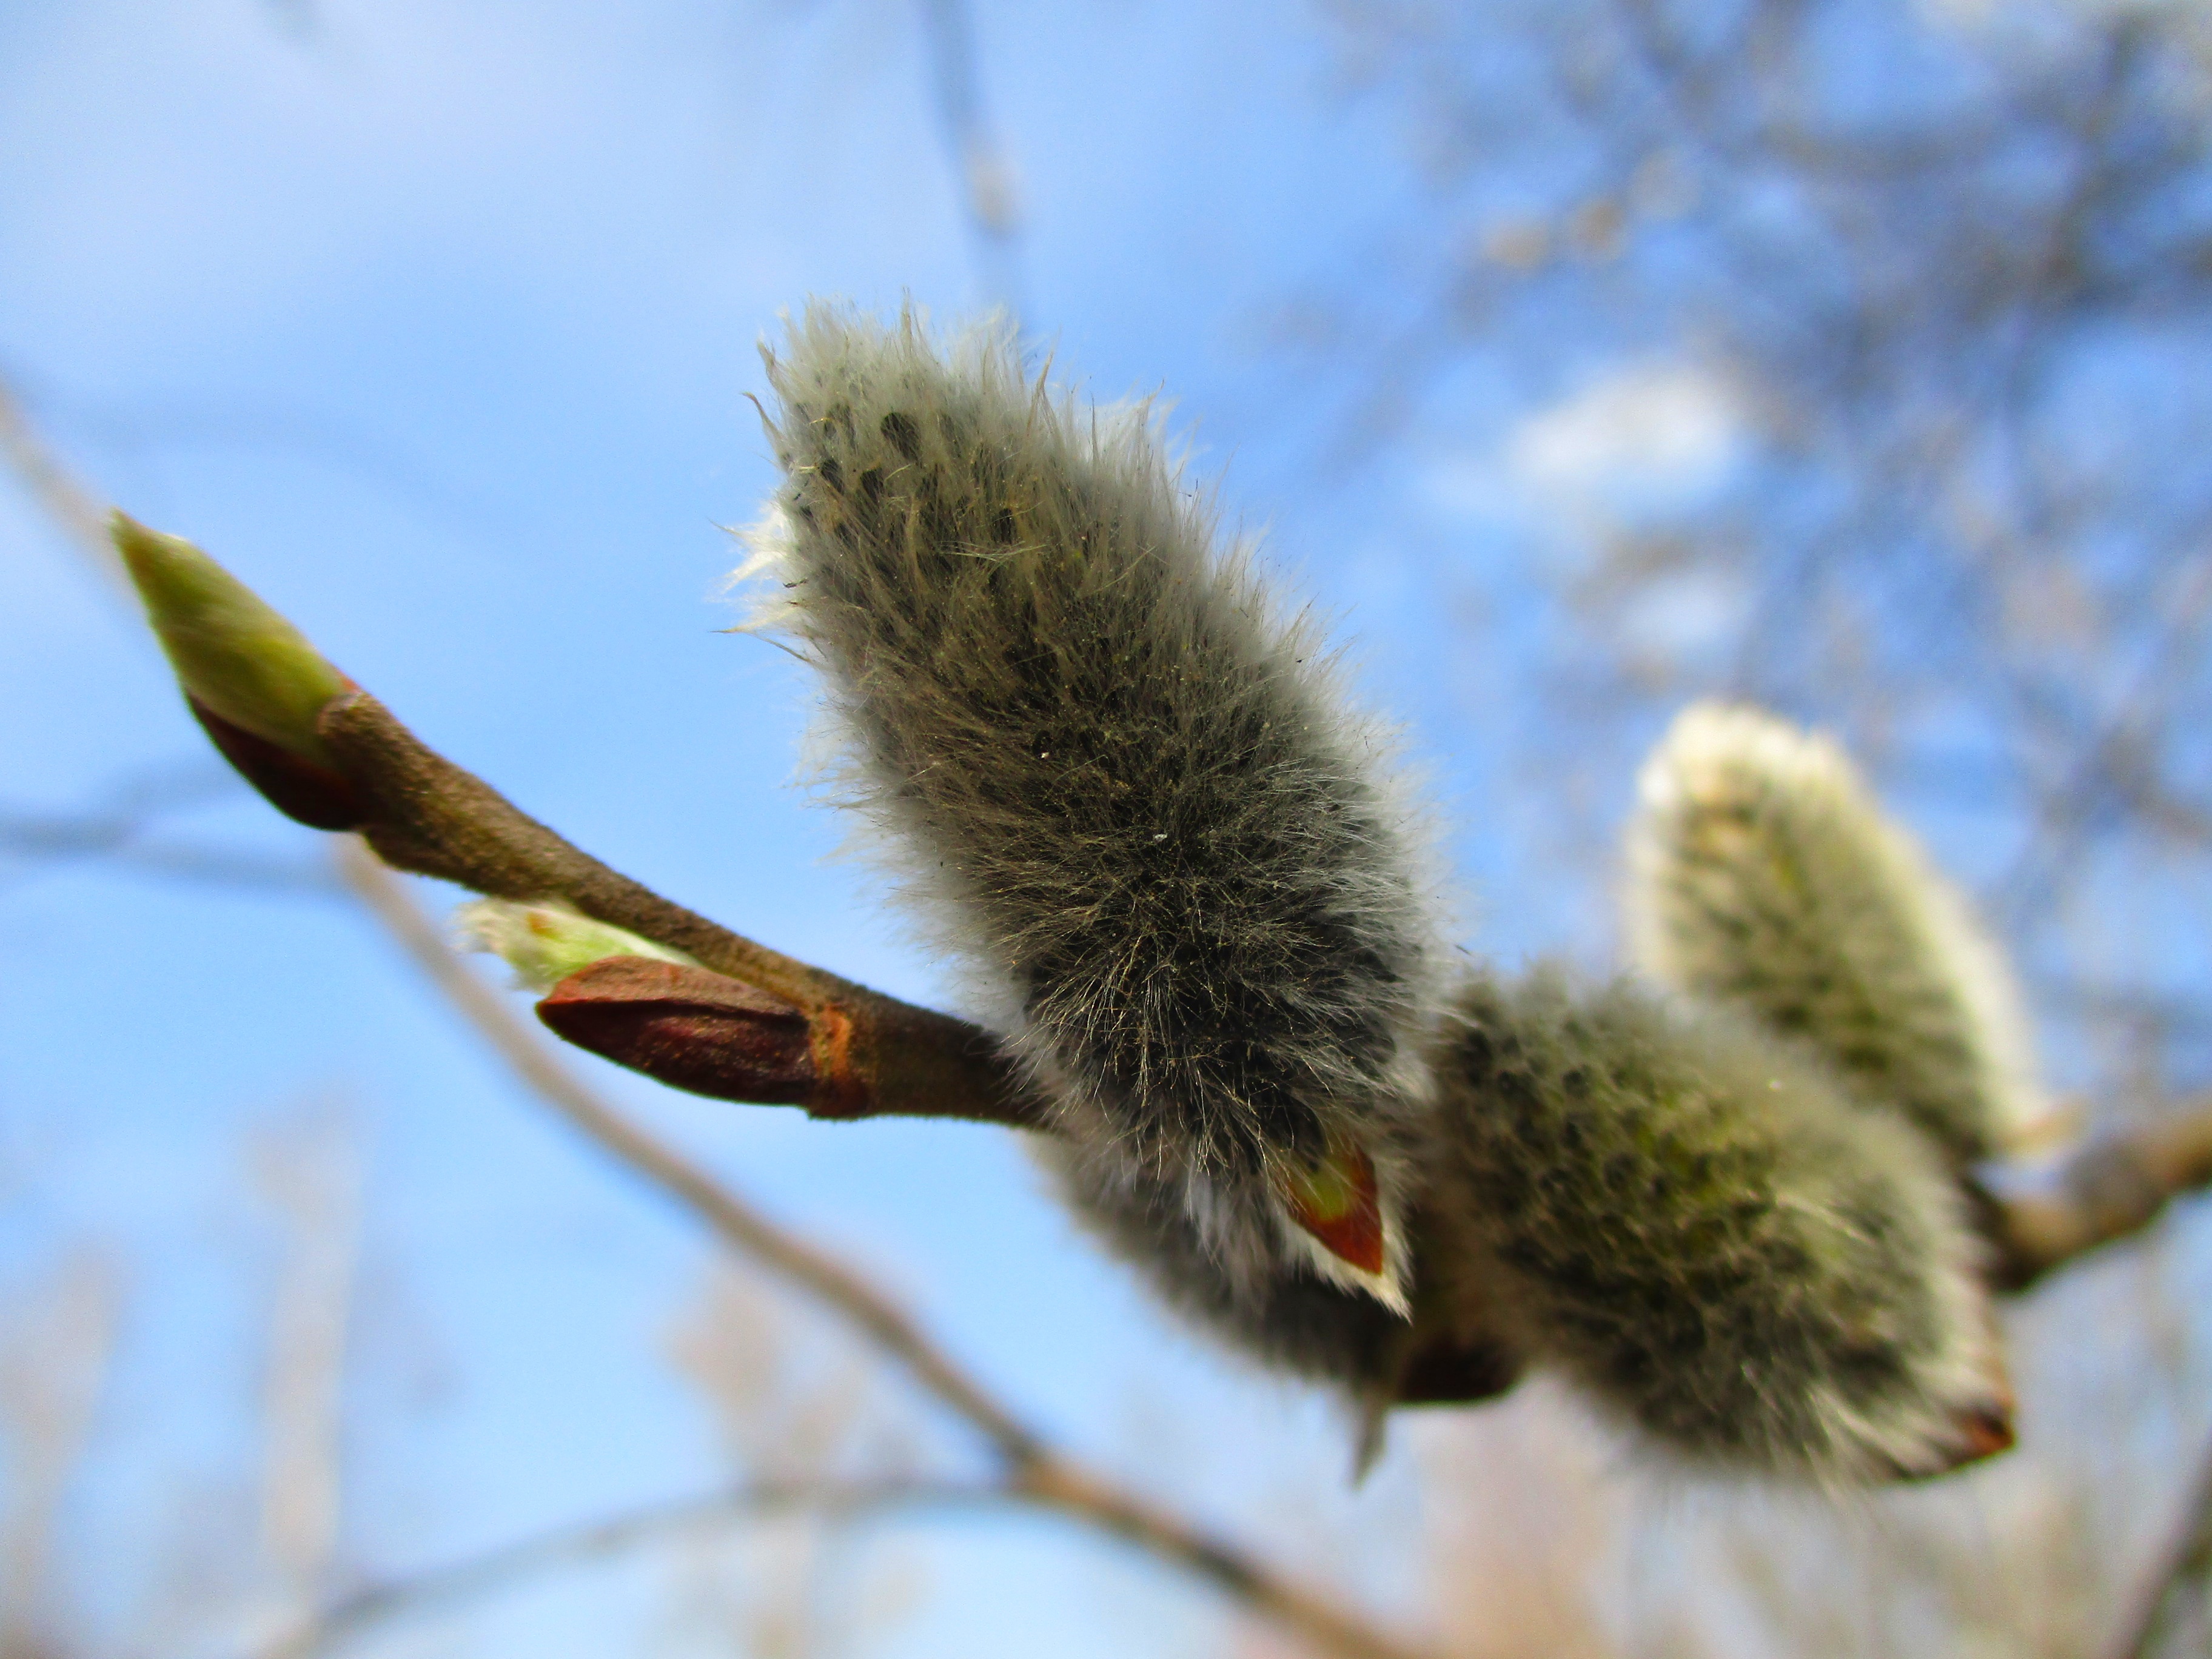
(1762, 875)
(1126, 789)
(1456, 1350)
(1713, 1240)
(1292, 1323)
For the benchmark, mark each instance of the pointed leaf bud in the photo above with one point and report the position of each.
(250, 678)
(705, 1033)
(234, 656)
(547, 941)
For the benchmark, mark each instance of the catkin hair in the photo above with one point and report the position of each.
(1454, 1350)
(1763, 875)
(1292, 1323)
(1718, 1243)
(1125, 784)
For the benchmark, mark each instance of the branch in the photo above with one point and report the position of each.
(2107, 1189)
(67, 502)
(54, 842)
(986, 179)
(875, 1055)
(987, 189)
(567, 1546)
(116, 834)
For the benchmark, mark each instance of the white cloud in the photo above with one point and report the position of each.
(1648, 437)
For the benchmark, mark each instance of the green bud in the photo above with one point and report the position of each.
(235, 657)
(546, 941)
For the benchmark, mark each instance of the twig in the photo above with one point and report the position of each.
(878, 1055)
(2108, 1188)
(986, 179)
(44, 839)
(65, 500)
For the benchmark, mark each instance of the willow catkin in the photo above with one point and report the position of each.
(1762, 875)
(1718, 1243)
(1125, 786)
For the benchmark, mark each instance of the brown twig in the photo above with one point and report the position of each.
(878, 1056)
(1036, 1473)
(2108, 1188)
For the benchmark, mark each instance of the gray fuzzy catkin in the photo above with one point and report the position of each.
(1762, 875)
(1125, 787)
(1714, 1240)
(1454, 1350)
(1289, 1322)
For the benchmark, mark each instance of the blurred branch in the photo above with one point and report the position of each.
(499, 1569)
(2108, 1188)
(214, 865)
(53, 1369)
(2183, 1577)
(1035, 1473)
(115, 832)
(71, 507)
(312, 1172)
(986, 177)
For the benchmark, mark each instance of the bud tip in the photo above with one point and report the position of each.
(235, 657)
